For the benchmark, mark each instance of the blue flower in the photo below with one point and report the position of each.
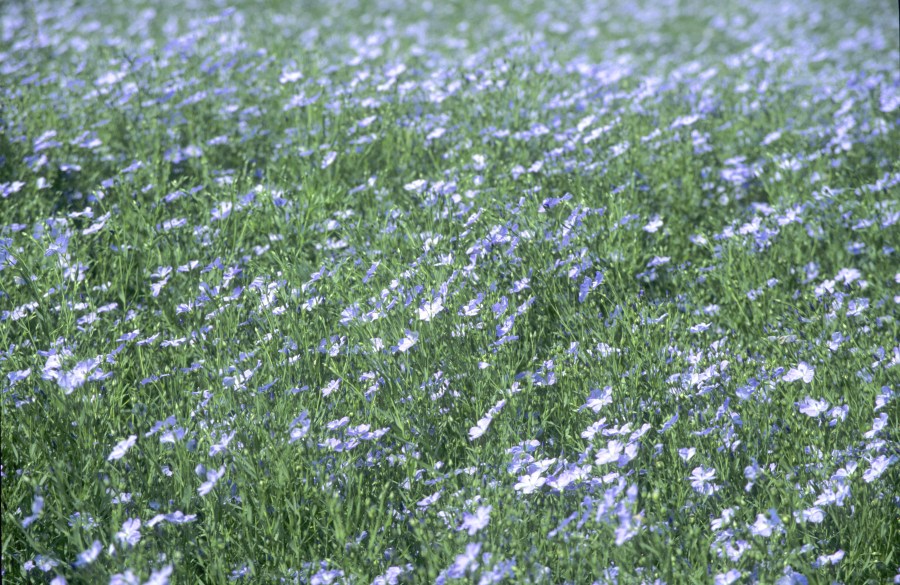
(130, 533)
(121, 448)
(472, 523)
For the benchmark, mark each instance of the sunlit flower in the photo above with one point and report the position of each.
(878, 466)
(427, 311)
(727, 578)
(610, 453)
(212, 477)
(803, 371)
(654, 225)
(815, 515)
(329, 158)
(121, 448)
(126, 578)
(472, 523)
(222, 445)
(832, 559)
(130, 533)
(812, 407)
(427, 501)
(766, 526)
(530, 483)
(701, 478)
(160, 577)
(89, 555)
(37, 506)
(331, 387)
(407, 342)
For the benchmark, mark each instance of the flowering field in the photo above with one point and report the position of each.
(386, 291)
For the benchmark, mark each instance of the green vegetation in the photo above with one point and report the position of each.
(463, 293)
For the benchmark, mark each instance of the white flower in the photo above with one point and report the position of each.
(727, 578)
(812, 407)
(429, 310)
(879, 465)
(610, 453)
(212, 477)
(766, 526)
(329, 158)
(119, 450)
(160, 577)
(290, 77)
(407, 342)
(654, 225)
(803, 371)
(90, 555)
(331, 387)
(480, 428)
(418, 186)
(528, 484)
(472, 523)
(700, 478)
(131, 532)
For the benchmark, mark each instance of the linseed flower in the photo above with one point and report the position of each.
(528, 484)
(812, 407)
(480, 428)
(471, 308)
(472, 523)
(428, 311)
(17, 376)
(427, 501)
(212, 477)
(160, 577)
(803, 371)
(701, 478)
(610, 454)
(406, 342)
(727, 578)
(90, 555)
(878, 466)
(222, 445)
(126, 578)
(766, 526)
(37, 506)
(831, 559)
(130, 533)
(465, 562)
(120, 449)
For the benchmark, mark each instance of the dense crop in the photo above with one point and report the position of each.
(413, 292)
